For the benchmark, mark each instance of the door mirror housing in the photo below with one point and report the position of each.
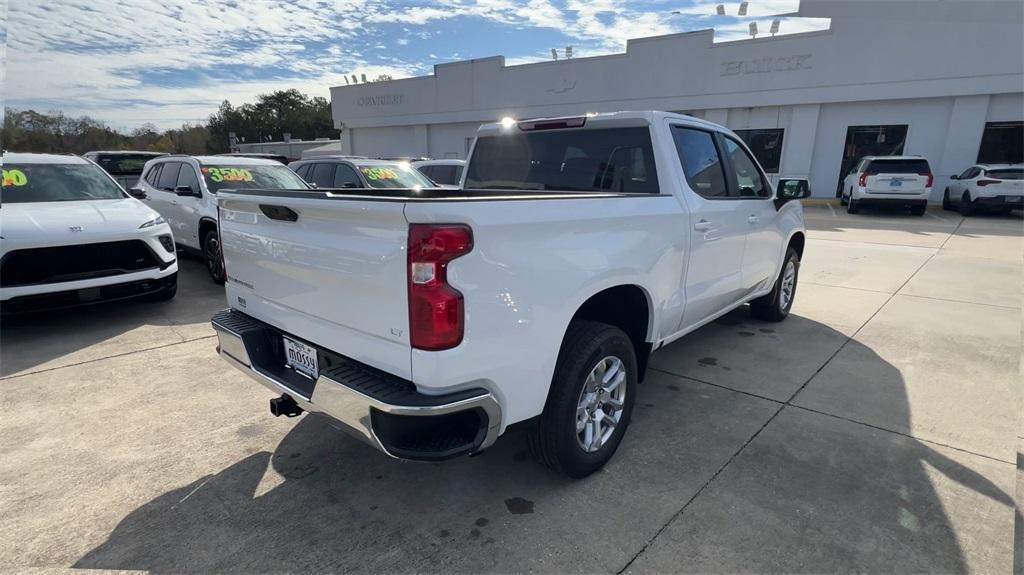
(791, 189)
(185, 191)
(137, 193)
(954, 177)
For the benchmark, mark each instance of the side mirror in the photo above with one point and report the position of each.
(137, 193)
(791, 189)
(185, 191)
(954, 177)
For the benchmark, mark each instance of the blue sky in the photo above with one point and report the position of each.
(166, 62)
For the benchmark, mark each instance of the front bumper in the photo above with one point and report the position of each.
(382, 410)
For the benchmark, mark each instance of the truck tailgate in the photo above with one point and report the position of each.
(336, 274)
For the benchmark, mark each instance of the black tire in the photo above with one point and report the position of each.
(966, 205)
(919, 209)
(946, 204)
(771, 307)
(554, 439)
(842, 200)
(211, 254)
(852, 206)
(169, 291)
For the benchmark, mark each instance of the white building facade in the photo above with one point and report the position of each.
(942, 78)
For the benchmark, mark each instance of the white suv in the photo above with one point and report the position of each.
(999, 187)
(182, 190)
(901, 181)
(72, 236)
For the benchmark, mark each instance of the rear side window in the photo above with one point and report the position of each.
(444, 175)
(1009, 174)
(187, 177)
(303, 171)
(611, 159)
(322, 175)
(701, 163)
(153, 175)
(912, 166)
(169, 176)
(346, 177)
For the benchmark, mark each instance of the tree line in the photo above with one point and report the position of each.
(268, 118)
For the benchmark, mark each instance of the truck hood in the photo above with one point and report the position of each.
(84, 219)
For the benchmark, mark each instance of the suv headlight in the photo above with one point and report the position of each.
(153, 222)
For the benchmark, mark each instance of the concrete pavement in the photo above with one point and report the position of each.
(877, 429)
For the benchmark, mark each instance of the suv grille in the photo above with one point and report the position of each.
(78, 262)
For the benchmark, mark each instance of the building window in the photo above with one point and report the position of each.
(1001, 143)
(766, 146)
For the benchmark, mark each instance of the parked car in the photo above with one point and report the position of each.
(124, 165)
(428, 321)
(72, 236)
(901, 181)
(442, 172)
(996, 187)
(279, 158)
(183, 189)
(351, 172)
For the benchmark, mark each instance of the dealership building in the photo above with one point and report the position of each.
(943, 79)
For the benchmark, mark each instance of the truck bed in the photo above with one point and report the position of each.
(428, 194)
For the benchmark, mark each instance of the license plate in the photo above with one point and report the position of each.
(895, 183)
(1013, 199)
(301, 357)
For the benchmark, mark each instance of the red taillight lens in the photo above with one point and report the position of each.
(986, 182)
(931, 179)
(436, 313)
(863, 181)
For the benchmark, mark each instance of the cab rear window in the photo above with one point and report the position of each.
(899, 167)
(599, 160)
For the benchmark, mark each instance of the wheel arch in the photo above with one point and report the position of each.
(206, 224)
(626, 306)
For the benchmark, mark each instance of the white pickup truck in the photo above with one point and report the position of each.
(426, 322)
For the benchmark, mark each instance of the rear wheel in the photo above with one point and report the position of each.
(842, 199)
(211, 253)
(946, 204)
(966, 205)
(852, 206)
(590, 401)
(776, 305)
(919, 209)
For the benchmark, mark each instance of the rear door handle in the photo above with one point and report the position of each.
(753, 219)
(703, 226)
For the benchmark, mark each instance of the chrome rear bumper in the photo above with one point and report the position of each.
(370, 405)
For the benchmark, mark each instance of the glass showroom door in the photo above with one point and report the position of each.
(870, 141)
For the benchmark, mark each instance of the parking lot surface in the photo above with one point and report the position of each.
(877, 429)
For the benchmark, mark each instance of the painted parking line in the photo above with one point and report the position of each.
(831, 210)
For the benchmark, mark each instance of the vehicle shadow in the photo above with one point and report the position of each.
(324, 502)
(28, 341)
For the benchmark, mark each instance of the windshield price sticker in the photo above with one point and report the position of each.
(379, 173)
(228, 174)
(14, 178)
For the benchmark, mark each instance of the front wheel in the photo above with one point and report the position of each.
(211, 253)
(946, 204)
(590, 401)
(775, 305)
(852, 205)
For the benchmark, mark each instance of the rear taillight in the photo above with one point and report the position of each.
(436, 314)
(983, 183)
(863, 181)
(931, 179)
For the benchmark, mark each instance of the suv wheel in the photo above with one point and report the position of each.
(852, 206)
(966, 205)
(211, 253)
(919, 209)
(946, 204)
(775, 306)
(590, 401)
